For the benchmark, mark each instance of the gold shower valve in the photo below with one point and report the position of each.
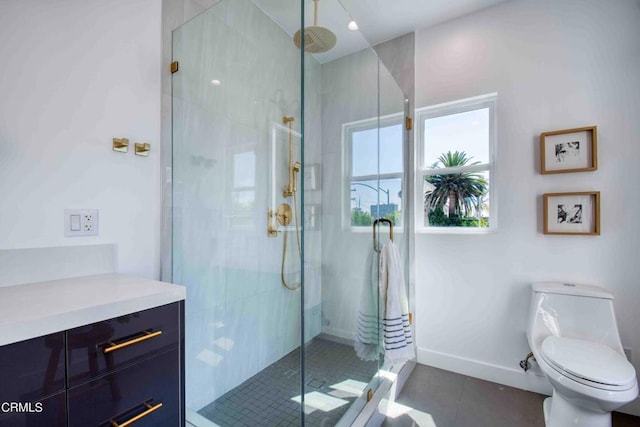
(284, 214)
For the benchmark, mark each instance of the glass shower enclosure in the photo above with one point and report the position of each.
(281, 162)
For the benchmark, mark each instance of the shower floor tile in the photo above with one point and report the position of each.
(333, 375)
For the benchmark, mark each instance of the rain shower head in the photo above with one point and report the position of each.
(317, 39)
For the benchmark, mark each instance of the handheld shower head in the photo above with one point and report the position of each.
(296, 169)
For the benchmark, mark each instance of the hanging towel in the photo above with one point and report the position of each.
(398, 341)
(368, 342)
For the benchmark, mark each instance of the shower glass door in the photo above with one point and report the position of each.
(237, 116)
(354, 174)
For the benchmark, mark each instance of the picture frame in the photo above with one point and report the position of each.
(575, 213)
(569, 150)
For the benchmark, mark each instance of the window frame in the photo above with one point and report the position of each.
(348, 129)
(488, 101)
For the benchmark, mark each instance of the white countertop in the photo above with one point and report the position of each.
(36, 309)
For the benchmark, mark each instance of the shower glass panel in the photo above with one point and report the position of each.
(239, 76)
(362, 140)
(282, 161)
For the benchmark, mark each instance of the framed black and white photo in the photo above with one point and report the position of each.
(572, 213)
(570, 150)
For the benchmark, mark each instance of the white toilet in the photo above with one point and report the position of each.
(573, 335)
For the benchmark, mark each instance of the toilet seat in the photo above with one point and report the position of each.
(589, 363)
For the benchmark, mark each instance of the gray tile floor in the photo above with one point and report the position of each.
(445, 399)
(265, 398)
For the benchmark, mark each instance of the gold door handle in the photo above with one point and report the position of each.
(375, 223)
(146, 336)
(149, 410)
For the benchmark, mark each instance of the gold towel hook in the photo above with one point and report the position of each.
(375, 223)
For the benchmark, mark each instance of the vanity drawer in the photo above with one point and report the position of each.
(48, 412)
(150, 387)
(32, 369)
(104, 347)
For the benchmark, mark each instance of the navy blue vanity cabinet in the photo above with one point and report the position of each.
(32, 383)
(104, 347)
(147, 391)
(31, 369)
(49, 412)
(128, 368)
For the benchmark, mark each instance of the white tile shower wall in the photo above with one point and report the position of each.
(77, 73)
(239, 316)
(555, 65)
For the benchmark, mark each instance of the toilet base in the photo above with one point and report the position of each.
(559, 412)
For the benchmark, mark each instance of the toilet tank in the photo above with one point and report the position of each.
(573, 311)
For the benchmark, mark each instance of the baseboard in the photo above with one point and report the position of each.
(486, 371)
(498, 374)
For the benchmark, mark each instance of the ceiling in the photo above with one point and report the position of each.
(379, 20)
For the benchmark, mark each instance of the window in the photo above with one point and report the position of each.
(456, 166)
(374, 173)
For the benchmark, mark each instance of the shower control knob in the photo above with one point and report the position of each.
(284, 214)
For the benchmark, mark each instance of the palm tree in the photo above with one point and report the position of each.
(458, 190)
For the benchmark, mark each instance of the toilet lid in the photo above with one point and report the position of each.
(588, 360)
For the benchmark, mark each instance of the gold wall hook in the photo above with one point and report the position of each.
(121, 145)
(142, 149)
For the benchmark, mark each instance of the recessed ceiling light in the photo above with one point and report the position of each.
(353, 26)
(216, 82)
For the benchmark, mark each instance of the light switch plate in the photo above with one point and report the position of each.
(80, 222)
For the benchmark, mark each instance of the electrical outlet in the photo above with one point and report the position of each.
(80, 222)
(627, 352)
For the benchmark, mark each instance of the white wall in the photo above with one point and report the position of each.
(555, 65)
(75, 74)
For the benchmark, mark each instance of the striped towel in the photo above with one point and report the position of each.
(368, 342)
(398, 341)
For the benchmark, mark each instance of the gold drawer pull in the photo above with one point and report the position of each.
(146, 336)
(149, 410)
